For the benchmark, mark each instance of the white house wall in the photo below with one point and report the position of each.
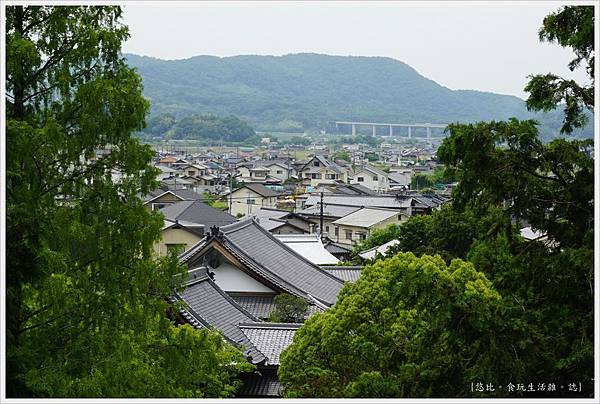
(241, 197)
(231, 279)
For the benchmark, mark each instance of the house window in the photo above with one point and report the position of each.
(361, 179)
(157, 206)
(316, 176)
(348, 234)
(375, 178)
(191, 173)
(251, 201)
(337, 231)
(316, 164)
(362, 236)
(279, 171)
(326, 229)
(176, 248)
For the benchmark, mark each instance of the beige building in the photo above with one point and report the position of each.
(321, 171)
(372, 178)
(357, 226)
(194, 170)
(280, 171)
(178, 237)
(248, 199)
(186, 223)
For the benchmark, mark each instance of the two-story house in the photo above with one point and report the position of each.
(186, 223)
(372, 178)
(249, 198)
(319, 170)
(280, 171)
(359, 225)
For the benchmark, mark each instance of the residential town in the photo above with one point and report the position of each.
(252, 225)
(285, 195)
(336, 200)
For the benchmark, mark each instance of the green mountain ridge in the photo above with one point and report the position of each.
(307, 91)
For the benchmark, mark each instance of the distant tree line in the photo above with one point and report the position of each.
(198, 127)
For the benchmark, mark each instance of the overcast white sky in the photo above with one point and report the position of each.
(469, 45)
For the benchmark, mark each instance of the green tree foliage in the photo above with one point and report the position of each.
(379, 237)
(441, 175)
(506, 177)
(86, 314)
(199, 127)
(409, 327)
(572, 27)
(304, 92)
(342, 155)
(420, 181)
(504, 165)
(298, 140)
(447, 232)
(372, 156)
(289, 308)
(215, 201)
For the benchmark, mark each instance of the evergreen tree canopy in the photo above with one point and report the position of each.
(573, 27)
(86, 309)
(539, 301)
(409, 327)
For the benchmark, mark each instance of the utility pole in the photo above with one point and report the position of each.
(230, 190)
(321, 217)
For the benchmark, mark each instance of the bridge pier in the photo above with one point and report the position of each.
(354, 124)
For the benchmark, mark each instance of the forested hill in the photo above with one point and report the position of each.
(305, 91)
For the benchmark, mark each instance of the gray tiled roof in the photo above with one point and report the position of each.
(367, 217)
(397, 177)
(371, 169)
(258, 306)
(360, 200)
(433, 200)
(281, 261)
(210, 306)
(260, 189)
(336, 248)
(263, 383)
(174, 181)
(353, 189)
(272, 260)
(270, 338)
(197, 212)
(329, 210)
(268, 218)
(347, 274)
(263, 306)
(325, 163)
(183, 194)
